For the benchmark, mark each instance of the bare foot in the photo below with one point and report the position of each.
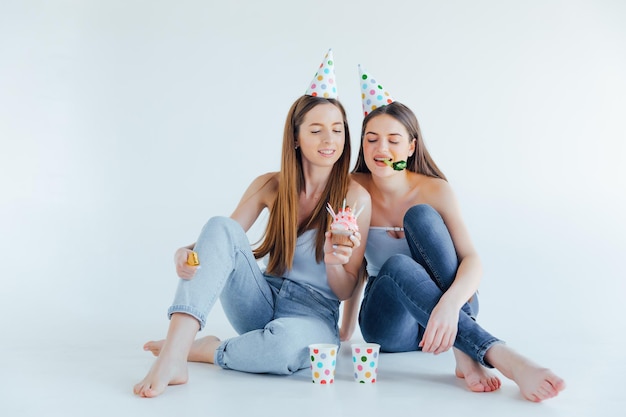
(477, 378)
(154, 346)
(170, 367)
(535, 382)
(164, 372)
(202, 350)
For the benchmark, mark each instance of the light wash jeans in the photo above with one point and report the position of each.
(276, 318)
(397, 302)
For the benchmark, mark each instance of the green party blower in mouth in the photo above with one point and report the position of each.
(397, 166)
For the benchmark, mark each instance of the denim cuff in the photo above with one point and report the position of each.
(195, 313)
(219, 355)
(483, 351)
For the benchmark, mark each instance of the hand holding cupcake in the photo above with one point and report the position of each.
(344, 224)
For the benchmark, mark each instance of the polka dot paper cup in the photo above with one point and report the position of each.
(323, 362)
(365, 362)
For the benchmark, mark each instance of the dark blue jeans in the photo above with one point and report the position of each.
(397, 302)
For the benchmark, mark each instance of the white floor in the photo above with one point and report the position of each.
(90, 370)
(73, 322)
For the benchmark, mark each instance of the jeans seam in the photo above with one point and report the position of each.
(428, 262)
(251, 266)
(405, 293)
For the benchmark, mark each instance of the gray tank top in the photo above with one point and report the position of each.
(306, 271)
(380, 246)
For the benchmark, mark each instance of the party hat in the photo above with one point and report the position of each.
(373, 95)
(323, 84)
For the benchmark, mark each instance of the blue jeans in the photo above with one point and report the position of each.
(397, 302)
(276, 318)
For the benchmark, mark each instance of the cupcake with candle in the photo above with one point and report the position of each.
(344, 224)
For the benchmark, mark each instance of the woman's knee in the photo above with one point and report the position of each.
(222, 229)
(400, 266)
(421, 214)
(219, 223)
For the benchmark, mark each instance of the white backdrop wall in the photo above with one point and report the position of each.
(125, 125)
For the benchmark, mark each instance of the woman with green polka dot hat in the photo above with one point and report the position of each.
(423, 269)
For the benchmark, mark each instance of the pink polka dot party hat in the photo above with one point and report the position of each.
(324, 84)
(373, 94)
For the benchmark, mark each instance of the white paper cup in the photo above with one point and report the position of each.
(365, 362)
(323, 362)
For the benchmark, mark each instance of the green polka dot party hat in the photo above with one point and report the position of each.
(323, 83)
(373, 94)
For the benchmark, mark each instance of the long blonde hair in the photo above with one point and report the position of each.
(279, 239)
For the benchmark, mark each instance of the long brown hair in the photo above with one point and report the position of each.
(279, 239)
(421, 161)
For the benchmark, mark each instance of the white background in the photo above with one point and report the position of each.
(125, 125)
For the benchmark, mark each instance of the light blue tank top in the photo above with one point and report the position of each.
(380, 247)
(306, 271)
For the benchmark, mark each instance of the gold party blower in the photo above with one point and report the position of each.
(192, 259)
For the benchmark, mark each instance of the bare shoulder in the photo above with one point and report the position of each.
(362, 179)
(267, 179)
(357, 191)
(264, 186)
(434, 185)
(359, 198)
(436, 192)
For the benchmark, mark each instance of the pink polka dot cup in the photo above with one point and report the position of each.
(365, 362)
(323, 362)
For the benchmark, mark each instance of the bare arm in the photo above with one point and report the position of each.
(343, 263)
(351, 308)
(259, 195)
(443, 324)
(469, 272)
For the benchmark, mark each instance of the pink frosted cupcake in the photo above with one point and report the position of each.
(344, 225)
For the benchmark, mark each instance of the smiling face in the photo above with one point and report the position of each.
(385, 138)
(321, 136)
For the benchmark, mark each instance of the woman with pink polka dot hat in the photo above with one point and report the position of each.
(293, 301)
(423, 270)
